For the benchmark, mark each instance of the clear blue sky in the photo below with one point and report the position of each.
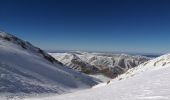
(100, 25)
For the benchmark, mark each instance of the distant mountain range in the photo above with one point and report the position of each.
(109, 65)
(153, 55)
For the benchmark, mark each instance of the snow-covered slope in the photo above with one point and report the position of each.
(98, 63)
(157, 63)
(28, 69)
(148, 81)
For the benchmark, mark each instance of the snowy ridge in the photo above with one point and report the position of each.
(26, 45)
(157, 63)
(28, 69)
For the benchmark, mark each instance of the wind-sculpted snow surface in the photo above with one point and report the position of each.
(28, 69)
(98, 63)
(148, 81)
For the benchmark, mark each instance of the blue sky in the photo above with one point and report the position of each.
(99, 25)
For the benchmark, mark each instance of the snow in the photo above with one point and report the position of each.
(148, 81)
(154, 64)
(101, 77)
(25, 69)
(98, 59)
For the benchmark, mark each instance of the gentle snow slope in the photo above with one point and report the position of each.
(27, 69)
(149, 81)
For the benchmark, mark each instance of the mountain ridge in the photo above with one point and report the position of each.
(25, 68)
(99, 63)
